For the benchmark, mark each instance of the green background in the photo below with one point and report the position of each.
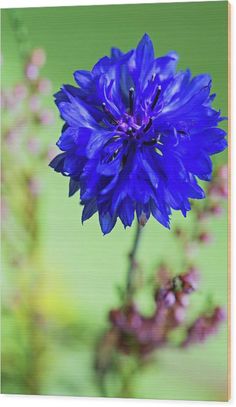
(83, 267)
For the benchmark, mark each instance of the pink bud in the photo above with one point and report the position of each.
(44, 86)
(214, 191)
(13, 139)
(20, 91)
(38, 57)
(205, 237)
(33, 145)
(223, 172)
(31, 72)
(224, 191)
(216, 210)
(34, 103)
(202, 216)
(51, 153)
(191, 279)
(169, 299)
(183, 300)
(46, 117)
(10, 100)
(180, 314)
(219, 314)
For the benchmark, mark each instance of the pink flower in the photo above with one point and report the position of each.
(46, 117)
(204, 326)
(31, 72)
(44, 86)
(34, 145)
(34, 103)
(38, 57)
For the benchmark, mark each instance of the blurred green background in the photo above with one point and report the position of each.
(79, 268)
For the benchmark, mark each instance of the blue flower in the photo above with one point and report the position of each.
(137, 136)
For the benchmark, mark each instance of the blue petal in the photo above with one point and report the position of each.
(83, 78)
(76, 112)
(107, 222)
(58, 162)
(144, 56)
(164, 67)
(212, 140)
(159, 215)
(90, 208)
(126, 212)
(68, 139)
(116, 53)
(60, 97)
(97, 140)
(101, 66)
(74, 186)
(200, 165)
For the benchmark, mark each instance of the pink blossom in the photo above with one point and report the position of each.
(38, 57)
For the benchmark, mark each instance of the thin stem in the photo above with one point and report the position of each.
(111, 365)
(21, 33)
(132, 261)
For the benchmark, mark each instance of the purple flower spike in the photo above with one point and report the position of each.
(137, 136)
(204, 326)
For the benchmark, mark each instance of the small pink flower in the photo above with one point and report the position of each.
(219, 314)
(34, 103)
(204, 326)
(10, 100)
(51, 152)
(202, 216)
(179, 314)
(44, 86)
(20, 91)
(169, 299)
(184, 300)
(46, 117)
(38, 57)
(205, 237)
(216, 210)
(223, 172)
(34, 145)
(31, 72)
(13, 139)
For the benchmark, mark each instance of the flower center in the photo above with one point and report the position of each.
(130, 124)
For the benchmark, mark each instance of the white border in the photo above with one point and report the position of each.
(52, 401)
(56, 3)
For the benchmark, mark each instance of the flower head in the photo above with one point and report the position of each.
(137, 136)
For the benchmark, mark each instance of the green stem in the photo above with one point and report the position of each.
(132, 261)
(21, 33)
(130, 283)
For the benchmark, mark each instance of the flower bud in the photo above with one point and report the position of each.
(31, 72)
(38, 57)
(44, 86)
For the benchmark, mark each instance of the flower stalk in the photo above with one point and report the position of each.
(132, 262)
